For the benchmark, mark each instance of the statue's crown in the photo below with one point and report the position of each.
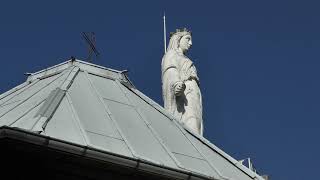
(180, 30)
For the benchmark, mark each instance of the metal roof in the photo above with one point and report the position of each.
(96, 107)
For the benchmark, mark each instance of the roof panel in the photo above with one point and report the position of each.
(31, 89)
(63, 121)
(28, 120)
(28, 100)
(139, 135)
(108, 143)
(108, 89)
(11, 93)
(101, 113)
(196, 165)
(225, 167)
(169, 132)
(15, 98)
(91, 112)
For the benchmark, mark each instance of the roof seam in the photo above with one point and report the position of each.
(69, 79)
(30, 96)
(51, 103)
(58, 95)
(116, 101)
(104, 135)
(100, 75)
(201, 154)
(76, 119)
(4, 105)
(107, 110)
(13, 90)
(159, 108)
(26, 112)
(158, 138)
(31, 84)
(230, 159)
(162, 111)
(187, 155)
(152, 103)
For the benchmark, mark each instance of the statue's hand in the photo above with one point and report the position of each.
(179, 88)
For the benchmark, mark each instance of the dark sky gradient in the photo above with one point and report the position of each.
(258, 63)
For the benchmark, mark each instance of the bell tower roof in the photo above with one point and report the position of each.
(96, 112)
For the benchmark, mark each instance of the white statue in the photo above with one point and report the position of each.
(180, 82)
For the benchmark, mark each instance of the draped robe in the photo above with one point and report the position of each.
(186, 107)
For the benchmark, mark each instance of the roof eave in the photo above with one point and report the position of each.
(90, 152)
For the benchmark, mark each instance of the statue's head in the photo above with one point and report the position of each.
(180, 40)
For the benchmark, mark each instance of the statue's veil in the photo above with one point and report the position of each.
(175, 39)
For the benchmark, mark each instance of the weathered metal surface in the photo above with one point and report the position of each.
(108, 89)
(97, 107)
(64, 126)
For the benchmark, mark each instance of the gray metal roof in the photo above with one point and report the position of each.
(99, 108)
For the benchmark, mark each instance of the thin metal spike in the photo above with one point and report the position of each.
(164, 32)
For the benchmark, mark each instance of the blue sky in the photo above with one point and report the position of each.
(258, 63)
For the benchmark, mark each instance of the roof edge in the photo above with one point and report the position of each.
(91, 152)
(233, 161)
(97, 66)
(84, 66)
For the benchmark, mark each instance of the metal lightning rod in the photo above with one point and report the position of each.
(164, 32)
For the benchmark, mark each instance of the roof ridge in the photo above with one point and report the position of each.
(90, 67)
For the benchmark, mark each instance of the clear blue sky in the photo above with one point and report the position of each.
(258, 63)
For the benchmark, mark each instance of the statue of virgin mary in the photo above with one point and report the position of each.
(180, 82)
